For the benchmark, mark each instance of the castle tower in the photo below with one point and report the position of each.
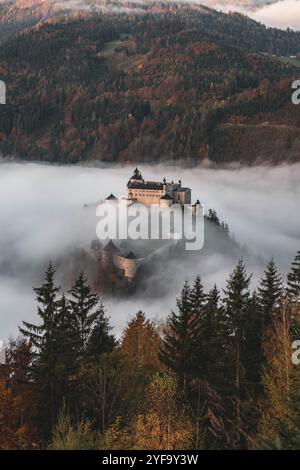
(136, 177)
(127, 264)
(195, 207)
(111, 199)
(166, 200)
(164, 185)
(108, 253)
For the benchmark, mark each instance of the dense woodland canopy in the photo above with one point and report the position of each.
(220, 373)
(168, 82)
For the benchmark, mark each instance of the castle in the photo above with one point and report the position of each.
(145, 192)
(161, 193)
(155, 192)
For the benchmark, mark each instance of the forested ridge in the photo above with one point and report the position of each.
(220, 373)
(171, 82)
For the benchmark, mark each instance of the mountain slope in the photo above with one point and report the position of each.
(167, 84)
(16, 15)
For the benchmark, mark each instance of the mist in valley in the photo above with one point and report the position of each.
(277, 14)
(273, 13)
(42, 217)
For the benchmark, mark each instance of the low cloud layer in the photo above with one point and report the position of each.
(285, 14)
(279, 14)
(42, 216)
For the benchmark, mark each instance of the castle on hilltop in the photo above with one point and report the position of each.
(139, 190)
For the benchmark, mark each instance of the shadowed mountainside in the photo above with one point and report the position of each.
(169, 83)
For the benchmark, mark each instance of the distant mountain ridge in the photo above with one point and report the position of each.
(173, 82)
(16, 15)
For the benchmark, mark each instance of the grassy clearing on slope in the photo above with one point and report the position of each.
(291, 60)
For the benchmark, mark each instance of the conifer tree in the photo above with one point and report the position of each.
(213, 299)
(67, 352)
(44, 339)
(85, 311)
(197, 297)
(252, 357)
(213, 216)
(294, 279)
(46, 296)
(214, 339)
(178, 349)
(101, 340)
(269, 292)
(205, 394)
(236, 301)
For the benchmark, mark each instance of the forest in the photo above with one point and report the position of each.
(219, 373)
(168, 83)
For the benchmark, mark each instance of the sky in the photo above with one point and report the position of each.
(42, 216)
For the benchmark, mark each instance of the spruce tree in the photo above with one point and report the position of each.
(214, 338)
(46, 296)
(202, 323)
(85, 311)
(213, 216)
(294, 279)
(178, 349)
(197, 298)
(206, 390)
(270, 292)
(252, 356)
(44, 339)
(236, 301)
(101, 340)
(67, 338)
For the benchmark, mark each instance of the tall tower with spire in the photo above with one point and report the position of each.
(137, 176)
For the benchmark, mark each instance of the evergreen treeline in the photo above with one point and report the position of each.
(218, 374)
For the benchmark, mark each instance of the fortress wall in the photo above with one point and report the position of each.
(166, 202)
(146, 197)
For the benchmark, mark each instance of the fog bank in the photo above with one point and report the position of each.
(279, 14)
(42, 216)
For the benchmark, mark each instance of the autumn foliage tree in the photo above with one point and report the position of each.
(281, 381)
(141, 341)
(18, 400)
